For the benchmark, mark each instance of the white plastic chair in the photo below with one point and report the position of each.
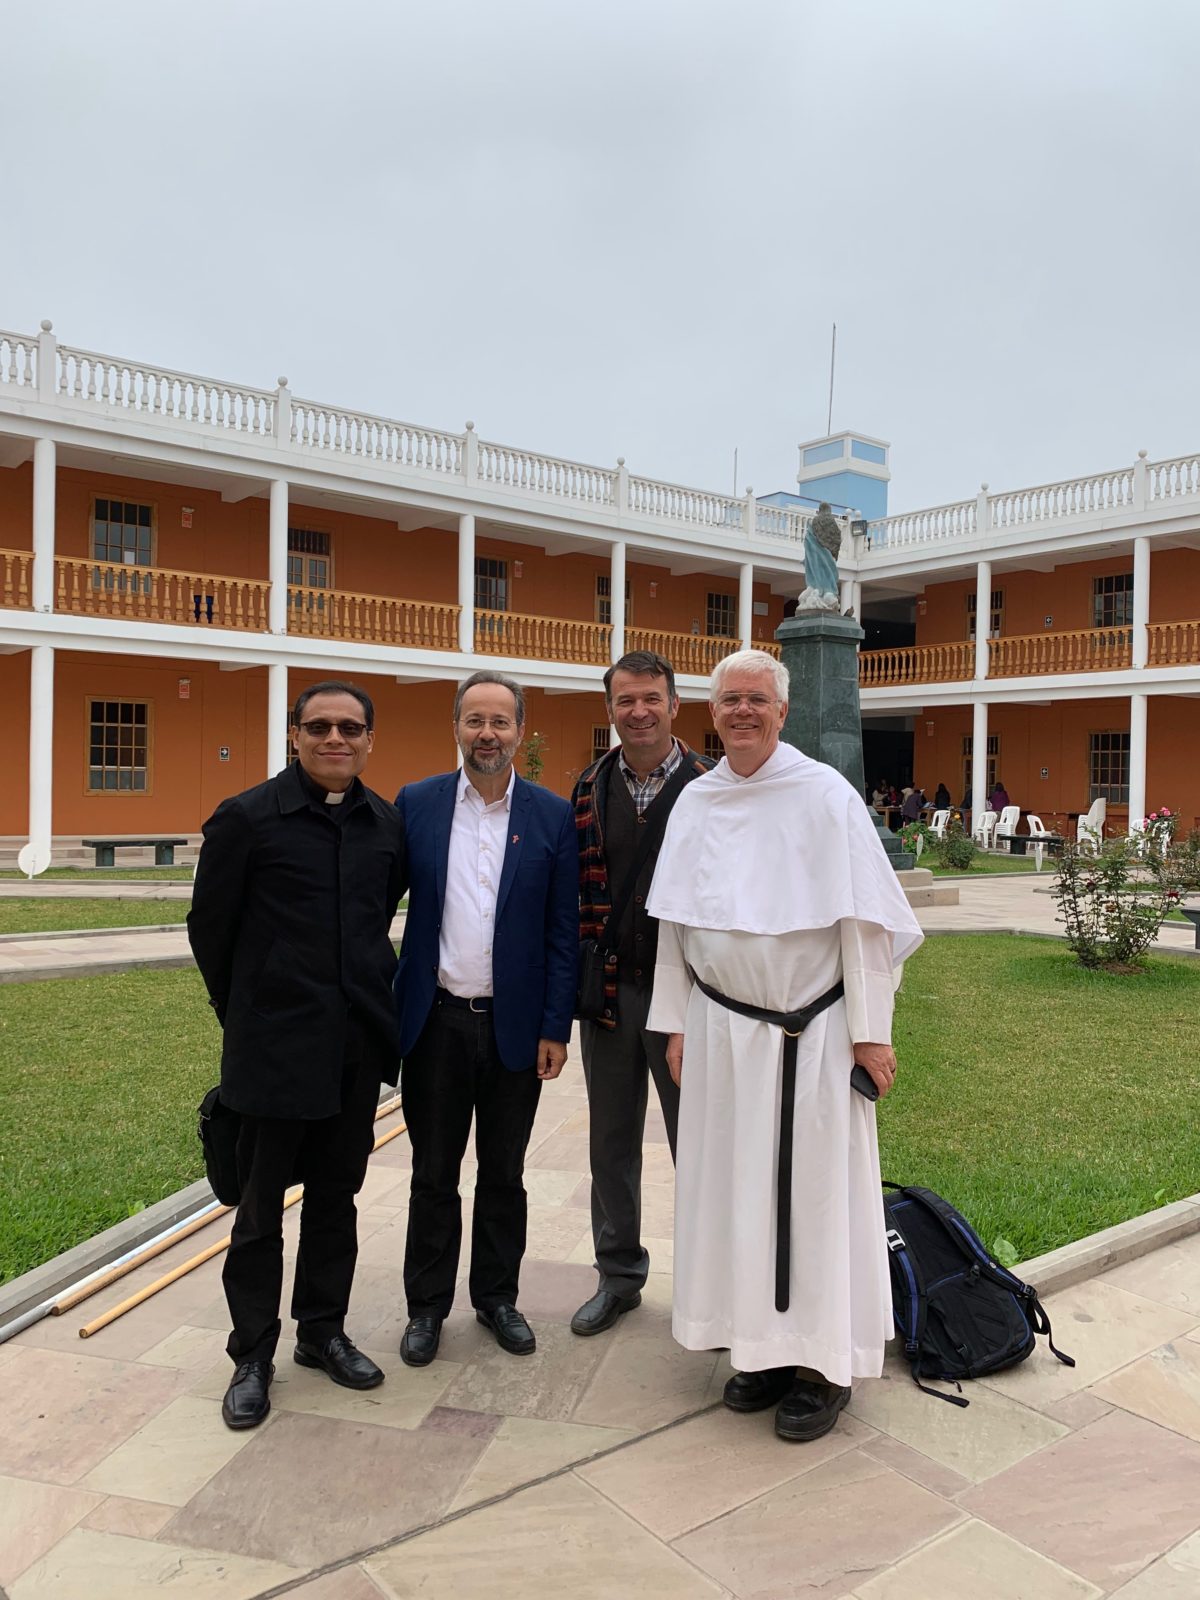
(985, 828)
(1009, 819)
(1089, 830)
(1138, 836)
(1039, 833)
(937, 823)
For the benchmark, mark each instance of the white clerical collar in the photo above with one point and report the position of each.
(332, 799)
(468, 791)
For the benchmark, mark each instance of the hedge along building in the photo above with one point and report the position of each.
(180, 555)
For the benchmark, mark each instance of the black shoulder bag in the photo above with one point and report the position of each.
(595, 954)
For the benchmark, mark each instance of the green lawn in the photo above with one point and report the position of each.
(1045, 1101)
(109, 874)
(33, 915)
(984, 864)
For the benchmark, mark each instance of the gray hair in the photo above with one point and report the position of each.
(511, 684)
(749, 661)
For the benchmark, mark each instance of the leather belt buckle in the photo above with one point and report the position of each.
(479, 1010)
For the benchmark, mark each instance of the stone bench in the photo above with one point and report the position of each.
(164, 849)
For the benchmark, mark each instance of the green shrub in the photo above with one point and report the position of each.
(1112, 915)
(955, 849)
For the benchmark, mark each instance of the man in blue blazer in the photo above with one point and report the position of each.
(485, 992)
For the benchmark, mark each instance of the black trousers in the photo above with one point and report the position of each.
(329, 1157)
(452, 1072)
(617, 1066)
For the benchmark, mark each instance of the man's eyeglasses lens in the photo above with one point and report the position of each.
(318, 728)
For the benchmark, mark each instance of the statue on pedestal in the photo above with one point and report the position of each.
(822, 546)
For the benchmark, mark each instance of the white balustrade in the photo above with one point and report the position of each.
(781, 522)
(1077, 497)
(674, 503)
(355, 433)
(18, 359)
(84, 376)
(1170, 479)
(538, 475)
(954, 521)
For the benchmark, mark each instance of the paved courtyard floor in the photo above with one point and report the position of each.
(598, 1467)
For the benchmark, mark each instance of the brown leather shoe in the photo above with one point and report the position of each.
(809, 1410)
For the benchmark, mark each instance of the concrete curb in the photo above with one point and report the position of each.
(100, 969)
(1112, 1247)
(93, 933)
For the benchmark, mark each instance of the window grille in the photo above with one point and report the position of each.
(491, 584)
(1108, 762)
(118, 746)
(1112, 601)
(720, 617)
(996, 622)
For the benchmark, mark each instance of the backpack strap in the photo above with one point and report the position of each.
(917, 1301)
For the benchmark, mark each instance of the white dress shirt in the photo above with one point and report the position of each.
(478, 839)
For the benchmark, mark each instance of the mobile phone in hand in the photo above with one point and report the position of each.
(862, 1080)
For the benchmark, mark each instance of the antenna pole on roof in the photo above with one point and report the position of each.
(832, 360)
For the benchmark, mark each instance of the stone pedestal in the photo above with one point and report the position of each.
(820, 651)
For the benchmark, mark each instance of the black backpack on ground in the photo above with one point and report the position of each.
(959, 1313)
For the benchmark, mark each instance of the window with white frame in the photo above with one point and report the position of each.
(1112, 601)
(604, 598)
(714, 746)
(491, 584)
(720, 616)
(122, 531)
(993, 763)
(996, 621)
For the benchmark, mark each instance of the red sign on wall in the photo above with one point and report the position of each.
(185, 688)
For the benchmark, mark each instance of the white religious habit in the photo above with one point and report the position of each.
(769, 889)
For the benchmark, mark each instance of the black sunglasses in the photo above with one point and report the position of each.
(319, 728)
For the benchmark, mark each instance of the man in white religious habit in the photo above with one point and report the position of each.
(782, 931)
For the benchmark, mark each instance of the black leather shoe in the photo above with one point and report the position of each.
(420, 1342)
(344, 1363)
(246, 1401)
(512, 1332)
(809, 1410)
(755, 1391)
(601, 1311)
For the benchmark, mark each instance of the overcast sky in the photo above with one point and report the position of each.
(625, 227)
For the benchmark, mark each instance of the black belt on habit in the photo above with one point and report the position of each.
(793, 1024)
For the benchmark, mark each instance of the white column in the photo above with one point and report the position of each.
(616, 604)
(979, 739)
(277, 718)
(277, 602)
(856, 600)
(983, 616)
(466, 582)
(43, 524)
(41, 755)
(1141, 604)
(1137, 755)
(746, 604)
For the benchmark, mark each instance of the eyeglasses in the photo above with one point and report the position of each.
(319, 728)
(756, 702)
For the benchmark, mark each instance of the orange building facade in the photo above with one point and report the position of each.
(180, 556)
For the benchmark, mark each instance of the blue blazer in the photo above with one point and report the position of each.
(535, 946)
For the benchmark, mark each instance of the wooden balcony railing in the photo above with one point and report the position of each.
(15, 569)
(157, 594)
(1077, 650)
(917, 663)
(689, 652)
(1173, 643)
(511, 633)
(374, 618)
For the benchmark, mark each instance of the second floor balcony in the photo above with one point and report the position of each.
(136, 592)
(1072, 650)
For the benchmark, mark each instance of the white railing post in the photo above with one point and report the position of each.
(1137, 757)
(1140, 475)
(746, 604)
(47, 372)
(622, 487)
(1141, 602)
(283, 414)
(44, 476)
(41, 758)
(277, 717)
(979, 739)
(471, 457)
(750, 514)
(466, 576)
(616, 603)
(983, 510)
(277, 554)
(983, 616)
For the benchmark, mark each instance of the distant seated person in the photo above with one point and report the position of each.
(998, 798)
(941, 798)
(965, 808)
(879, 795)
(914, 801)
